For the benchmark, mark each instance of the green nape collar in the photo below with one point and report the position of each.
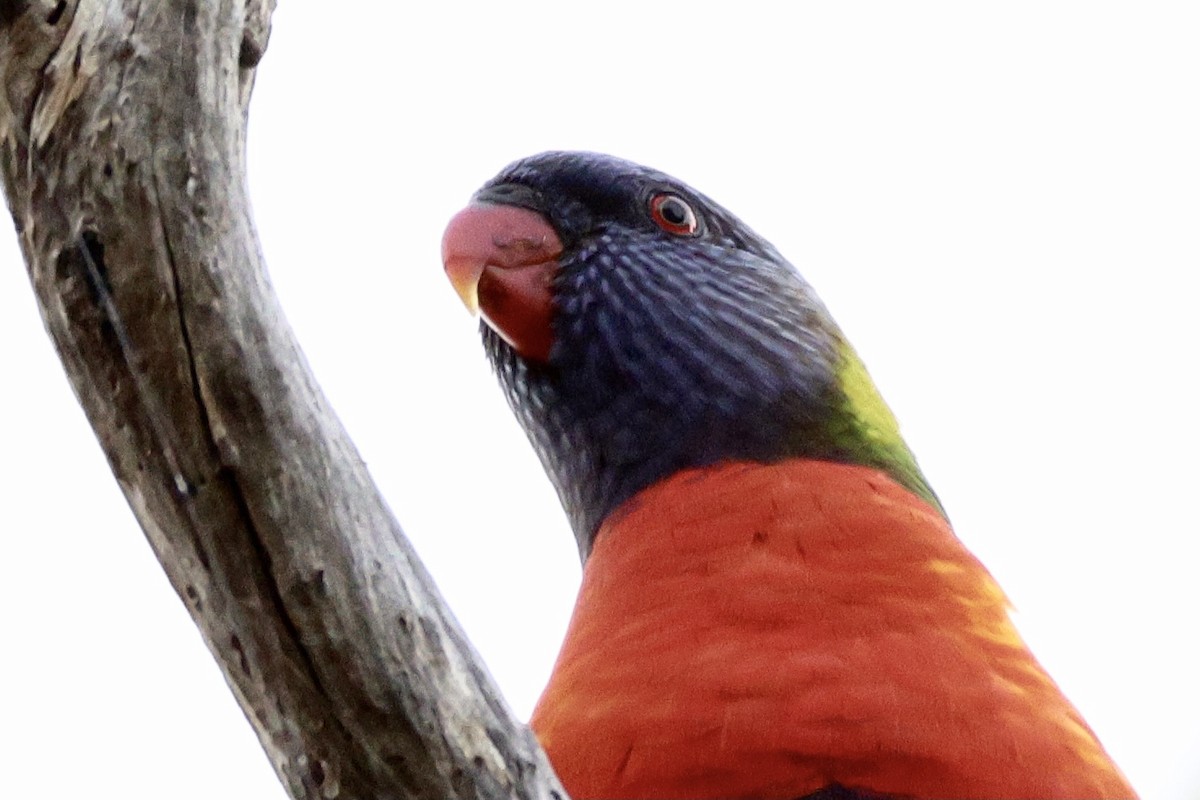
(873, 434)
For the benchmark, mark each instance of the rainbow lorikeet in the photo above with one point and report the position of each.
(773, 602)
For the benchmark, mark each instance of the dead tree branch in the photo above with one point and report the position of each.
(122, 133)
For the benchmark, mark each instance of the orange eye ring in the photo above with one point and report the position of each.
(674, 214)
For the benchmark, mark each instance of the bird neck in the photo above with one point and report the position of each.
(766, 630)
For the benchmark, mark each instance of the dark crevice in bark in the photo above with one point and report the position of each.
(11, 10)
(181, 315)
(96, 272)
(294, 635)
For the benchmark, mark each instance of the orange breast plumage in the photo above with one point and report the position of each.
(768, 630)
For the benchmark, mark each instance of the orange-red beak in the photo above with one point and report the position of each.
(502, 260)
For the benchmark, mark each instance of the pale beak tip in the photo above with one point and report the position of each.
(464, 277)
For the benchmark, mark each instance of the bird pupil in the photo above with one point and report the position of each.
(674, 212)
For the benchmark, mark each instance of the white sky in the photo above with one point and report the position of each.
(999, 203)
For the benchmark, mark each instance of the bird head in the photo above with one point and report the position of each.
(639, 329)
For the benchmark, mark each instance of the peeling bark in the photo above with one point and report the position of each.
(122, 138)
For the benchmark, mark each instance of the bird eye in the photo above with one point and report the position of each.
(673, 214)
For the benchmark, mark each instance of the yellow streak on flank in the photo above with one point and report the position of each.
(940, 566)
(987, 607)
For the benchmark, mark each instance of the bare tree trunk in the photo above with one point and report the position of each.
(122, 133)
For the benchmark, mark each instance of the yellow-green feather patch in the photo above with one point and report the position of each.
(872, 432)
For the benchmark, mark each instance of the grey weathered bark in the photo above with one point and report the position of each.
(122, 131)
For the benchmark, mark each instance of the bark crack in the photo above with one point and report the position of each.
(226, 475)
(127, 63)
(182, 484)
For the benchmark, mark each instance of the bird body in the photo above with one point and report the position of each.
(773, 602)
(766, 631)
